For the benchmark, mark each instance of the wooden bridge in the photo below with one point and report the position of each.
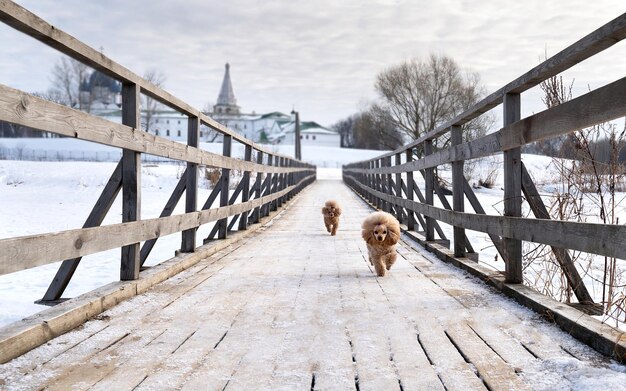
(270, 300)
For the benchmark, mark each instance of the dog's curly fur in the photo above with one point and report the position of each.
(381, 232)
(331, 212)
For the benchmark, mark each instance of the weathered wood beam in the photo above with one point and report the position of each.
(231, 201)
(601, 105)
(225, 185)
(28, 110)
(562, 255)
(256, 213)
(188, 240)
(170, 205)
(410, 184)
(29, 251)
(131, 181)
(478, 208)
(245, 195)
(458, 196)
(429, 177)
(512, 192)
(446, 204)
(398, 189)
(601, 239)
(96, 216)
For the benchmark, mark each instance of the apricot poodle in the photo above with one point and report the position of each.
(331, 212)
(381, 232)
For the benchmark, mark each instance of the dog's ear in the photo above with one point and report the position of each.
(337, 211)
(366, 234)
(391, 238)
(325, 211)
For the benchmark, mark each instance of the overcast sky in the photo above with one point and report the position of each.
(320, 56)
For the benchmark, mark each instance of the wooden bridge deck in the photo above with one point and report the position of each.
(293, 308)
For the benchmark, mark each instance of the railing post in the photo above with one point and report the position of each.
(188, 244)
(224, 191)
(131, 181)
(370, 182)
(256, 214)
(282, 180)
(245, 191)
(265, 210)
(274, 188)
(399, 213)
(379, 184)
(458, 194)
(410, 183)
(429, 177)
(388, 189)
(512, 192)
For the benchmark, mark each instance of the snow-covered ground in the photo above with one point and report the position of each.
(60, 149)
(40, 197)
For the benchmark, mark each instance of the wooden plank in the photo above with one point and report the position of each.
(256, 213)
(95, 218)
(265, 210)
(602, 239)
(273, 205)
(410, 184)
(35, 330)
(398, 190)
(231, 201)
(601, 105)
(131, 182)
(225, 185)
(28, 110)
(168, 209)
(412, 294)
(29, 251)
(429, 178)
(245, 195)
(119, 364)
(458, 195)
(562, 256)
(444, 202)
(496, 373)
(188, 240)
(512, 192)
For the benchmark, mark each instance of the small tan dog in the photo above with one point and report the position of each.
(381, 232)
(331, 212)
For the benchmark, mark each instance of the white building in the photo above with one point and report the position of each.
(311, 133)
(102, 94)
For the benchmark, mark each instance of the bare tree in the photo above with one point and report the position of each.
(67, 77)
(418, 96)
(345, 129)
(150, 106)
(370, 131)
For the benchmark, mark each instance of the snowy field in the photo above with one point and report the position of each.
(39, 197)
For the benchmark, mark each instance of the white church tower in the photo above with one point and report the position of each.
(226, 102)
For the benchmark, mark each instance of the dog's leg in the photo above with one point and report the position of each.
(379, 265)
(335, 226)
(390, 259)
(327, 226)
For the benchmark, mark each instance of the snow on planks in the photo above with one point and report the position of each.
(291, 307)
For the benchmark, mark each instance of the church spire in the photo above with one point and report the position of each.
(226, 102)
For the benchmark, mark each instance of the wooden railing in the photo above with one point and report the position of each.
(277, 178)
(387, 181)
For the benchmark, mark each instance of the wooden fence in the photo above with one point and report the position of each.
(387, 181)
(277, 178)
